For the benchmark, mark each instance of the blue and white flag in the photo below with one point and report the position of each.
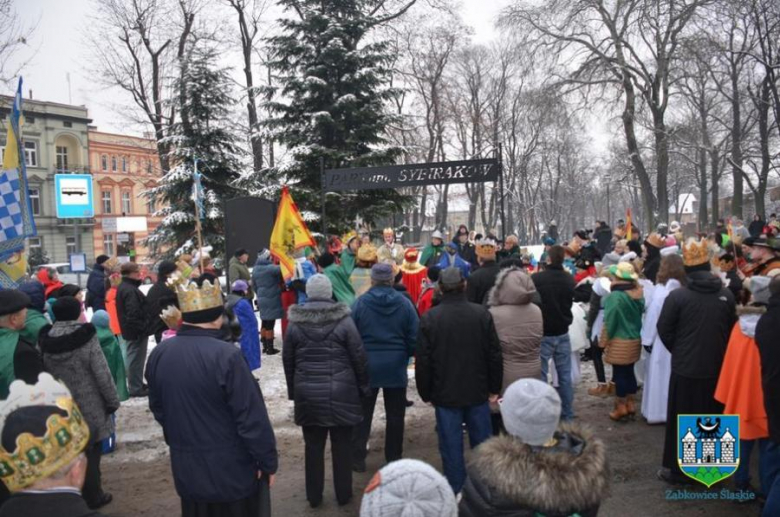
(16, 220)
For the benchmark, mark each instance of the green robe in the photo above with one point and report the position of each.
(116, 364)
(428, 252)
(342, 288)
(8, 340)
(347, 261)
(32, 326)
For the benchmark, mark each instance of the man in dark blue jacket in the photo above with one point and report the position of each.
(223, 449)
(96, 285)
(387, 322)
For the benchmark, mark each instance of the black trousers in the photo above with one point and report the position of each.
(93, 486)
(686, 397)
(395, 412)
(597, 353)
(256, 505)
(340, 451)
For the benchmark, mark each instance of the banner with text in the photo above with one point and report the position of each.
(395, 176)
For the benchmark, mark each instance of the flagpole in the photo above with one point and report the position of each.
(197, 224)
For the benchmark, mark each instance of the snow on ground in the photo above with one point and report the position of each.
(140, 437)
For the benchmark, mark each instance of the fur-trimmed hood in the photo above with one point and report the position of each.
(317, 312)
(513, 287)
(571, 477)
(65, 336)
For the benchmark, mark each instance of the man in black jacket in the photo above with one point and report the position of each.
(768, 341)
(695, 324)
(159, 297)
(459, 370)
(133, 322)
(96, 285)
(482, 280)
(556, 287)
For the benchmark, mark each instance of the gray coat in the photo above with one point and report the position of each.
(518, 324)
(267, 282)
(72, 354)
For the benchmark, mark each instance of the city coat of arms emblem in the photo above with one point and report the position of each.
(708, 447)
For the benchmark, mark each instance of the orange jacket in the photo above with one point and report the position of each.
(739, 385)
(111, 309)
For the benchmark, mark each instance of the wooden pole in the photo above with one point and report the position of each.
(197, 221)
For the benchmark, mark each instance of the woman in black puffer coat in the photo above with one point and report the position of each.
(327, 376)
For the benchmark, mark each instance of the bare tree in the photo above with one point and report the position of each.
(137, 44)
(249, 14)
(14, 39)
(631, 45)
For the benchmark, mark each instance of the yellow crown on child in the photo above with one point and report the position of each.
(38, 457)
(193, 298)
(349, 236)
(696, 253)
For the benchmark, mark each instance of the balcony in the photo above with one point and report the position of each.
(72, 169)
(81, 221)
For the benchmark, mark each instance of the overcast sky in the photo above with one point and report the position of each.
(59, 50)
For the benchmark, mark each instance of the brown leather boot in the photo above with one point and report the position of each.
(620, 412)
(630, 405)
(600, 390)
(611, 388)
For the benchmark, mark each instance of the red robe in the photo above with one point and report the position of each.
(413, 280)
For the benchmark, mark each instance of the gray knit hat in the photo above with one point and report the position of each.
(759, 288)
(318, 287)
(382, 272)
(408, 488)
(530, 410)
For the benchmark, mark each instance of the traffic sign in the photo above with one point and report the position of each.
(74, 196)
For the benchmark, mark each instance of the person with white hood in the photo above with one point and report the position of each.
(671, 276)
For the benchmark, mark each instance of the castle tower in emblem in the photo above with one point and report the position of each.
(727, 447)
(689, 447)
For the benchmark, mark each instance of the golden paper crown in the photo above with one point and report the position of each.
(110, 264)
(171, 315)
(696, 253)
(38, 457)
(193, 298)
(349, 236)
(486, 248)
(367, 253)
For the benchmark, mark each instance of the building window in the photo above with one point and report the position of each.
(124, 164)
(108, 244)
(127, 204)
(35, 201)
(106, 198)
(67, 124)
(31, 154)
(149, 166)
(29, 120)
(104, 162)
(34, 243)
(151, 205)
(70, 245)
(113, 163)
(62, 158)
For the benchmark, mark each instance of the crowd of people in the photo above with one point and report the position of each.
(493, 337)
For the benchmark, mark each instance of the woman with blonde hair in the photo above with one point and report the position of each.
(671, 276)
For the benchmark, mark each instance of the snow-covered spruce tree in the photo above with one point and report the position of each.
(204, 131)
(332, 103)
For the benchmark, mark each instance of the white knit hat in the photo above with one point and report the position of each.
(530, 410)
(408, 488)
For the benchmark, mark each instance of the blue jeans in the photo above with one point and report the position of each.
(742, 475)
(559, 348)
(770, 479)
(449, 425)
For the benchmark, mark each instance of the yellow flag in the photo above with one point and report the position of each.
(290, 234)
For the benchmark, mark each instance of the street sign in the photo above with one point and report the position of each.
(78, 263)
(124, 224)
(74, 196)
